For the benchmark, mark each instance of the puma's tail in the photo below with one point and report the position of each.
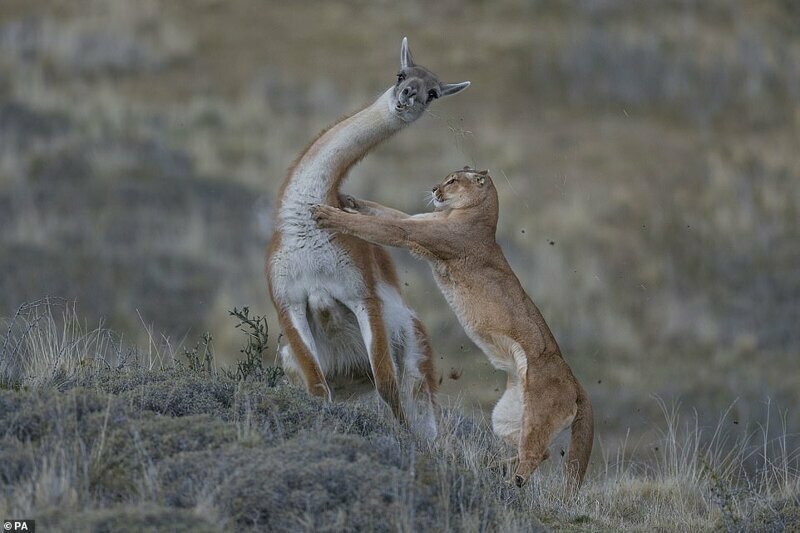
(580, 446)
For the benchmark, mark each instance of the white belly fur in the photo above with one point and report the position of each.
(310, 270)
(504, 353)
(508, 412)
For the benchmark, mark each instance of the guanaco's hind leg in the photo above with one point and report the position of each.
(294, 323)
(373, 331)
(549, 405)
(426, 367)
(419, 384)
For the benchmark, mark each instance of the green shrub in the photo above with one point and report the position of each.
(256, 331)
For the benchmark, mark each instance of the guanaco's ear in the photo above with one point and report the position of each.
(453, 88)
(405, 55)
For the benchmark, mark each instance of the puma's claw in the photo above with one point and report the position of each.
(320, 212)
(325, 216)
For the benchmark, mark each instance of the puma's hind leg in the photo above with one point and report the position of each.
(549, 405)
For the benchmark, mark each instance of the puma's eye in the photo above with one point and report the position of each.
(450, 182)
(432, 95)
(400, 77)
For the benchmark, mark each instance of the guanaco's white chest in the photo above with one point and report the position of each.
(310, 266)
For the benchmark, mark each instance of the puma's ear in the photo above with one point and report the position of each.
(484, 172)
(467, 168)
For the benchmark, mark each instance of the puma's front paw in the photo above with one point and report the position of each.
(324, 215)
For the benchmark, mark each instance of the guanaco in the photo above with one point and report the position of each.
(542, 395)
(338, 297)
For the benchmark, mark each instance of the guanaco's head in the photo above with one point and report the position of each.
(417, 87)
(464, 189)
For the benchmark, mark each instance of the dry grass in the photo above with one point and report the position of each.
(90, 438)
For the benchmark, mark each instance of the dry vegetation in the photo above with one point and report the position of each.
(648, 168)
(98, 437)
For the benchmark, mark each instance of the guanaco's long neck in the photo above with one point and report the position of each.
(322, 168)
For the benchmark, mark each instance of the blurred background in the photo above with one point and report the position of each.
(647, 156)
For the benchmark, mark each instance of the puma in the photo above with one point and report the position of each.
(542, 396)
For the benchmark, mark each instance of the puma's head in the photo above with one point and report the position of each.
(464, 189)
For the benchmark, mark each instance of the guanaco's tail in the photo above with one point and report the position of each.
(580, 446)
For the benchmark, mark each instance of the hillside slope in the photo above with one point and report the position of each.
(97, 436)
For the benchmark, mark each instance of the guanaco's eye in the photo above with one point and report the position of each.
(400, 77)
(432, 95)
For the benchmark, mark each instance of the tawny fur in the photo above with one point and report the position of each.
(542, 395)
(338, 297)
